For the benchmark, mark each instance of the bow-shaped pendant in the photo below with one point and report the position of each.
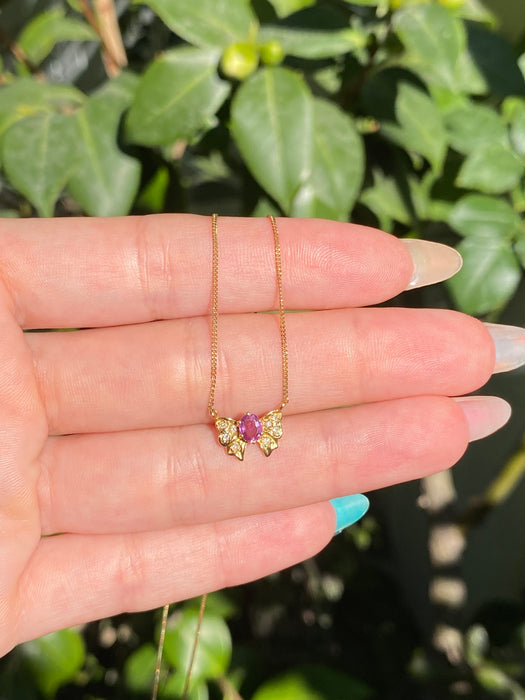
(265, 431)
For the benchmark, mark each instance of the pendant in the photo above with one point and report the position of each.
(234, 435)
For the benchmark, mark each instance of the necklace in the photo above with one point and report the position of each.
(234, 435)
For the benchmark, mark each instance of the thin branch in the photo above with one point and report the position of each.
(105, 23)
(498, 491)
(228, 689)
(114, 54)
(17, 51)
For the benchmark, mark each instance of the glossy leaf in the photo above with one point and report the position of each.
(107, 179)
(55, 659)
(177, 96)
(519, 249)
(139, 669)
(479, 216)
(514, 110)
(385, 199)
(310, 43)
(313, 683)
(492, 169)
(207, 23)
(419, 125)
(473, 125)
(271, 122)
(283, 8)
(489, 277)
(434, 40)
(41, 34)
(26, 96)
(47, 141)
(337, 166)
(174, 687)
(213, 652)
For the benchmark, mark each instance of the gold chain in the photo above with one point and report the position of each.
(271, 422)
(215, 315)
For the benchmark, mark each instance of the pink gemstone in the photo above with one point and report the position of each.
(250, 427)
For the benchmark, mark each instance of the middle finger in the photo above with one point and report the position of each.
(157, 374)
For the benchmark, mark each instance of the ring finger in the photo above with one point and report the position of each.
(156, 479)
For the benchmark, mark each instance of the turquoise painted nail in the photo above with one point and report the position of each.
(348, 510)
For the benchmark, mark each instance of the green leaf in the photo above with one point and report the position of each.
(519, 249)
(313, 683)
(493, 168)
(476, 11)
(514, 111)
(207, 23)
(384, 198)
(218, 602)
(310, 43)
(473, 125)
(107, 180)
(489, 277)
(55, 659)
(283, 8)
(434, 40)
(139, 669)
(174, 687)
(479, 216)
(420, 126)
(214, 650)
(41, 34)
(177, 96)
(271, 122)
(47, 141)
(337, 169)
(27, 96)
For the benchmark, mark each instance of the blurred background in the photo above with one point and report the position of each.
(408, 115)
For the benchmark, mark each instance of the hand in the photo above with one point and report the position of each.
(105, 436)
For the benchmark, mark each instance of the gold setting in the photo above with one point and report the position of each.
(228, 432)
(232, 440)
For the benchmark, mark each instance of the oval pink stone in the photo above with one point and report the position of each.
(250, 427)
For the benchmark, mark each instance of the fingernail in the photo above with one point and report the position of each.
(510, 346)
(433, 262)
(348, 510)
(485, 414)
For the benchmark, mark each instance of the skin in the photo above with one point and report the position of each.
(105, 435)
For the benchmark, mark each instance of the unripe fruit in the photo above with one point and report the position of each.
(272, 53)
(239, 60)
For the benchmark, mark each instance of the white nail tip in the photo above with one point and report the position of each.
(510, 346)
(433, 262)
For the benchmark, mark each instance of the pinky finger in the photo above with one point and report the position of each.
(72, 579)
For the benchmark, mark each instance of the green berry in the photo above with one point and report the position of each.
(239, 60)
(272, 53)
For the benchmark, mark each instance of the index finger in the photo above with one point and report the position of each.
(79, 272)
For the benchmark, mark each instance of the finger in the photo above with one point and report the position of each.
(155, 479)
(158, 374)
(75, 578)
(70, 273)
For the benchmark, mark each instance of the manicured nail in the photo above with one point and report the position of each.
(348, 510)
(510, 346)
(485, 414)
(433, 262)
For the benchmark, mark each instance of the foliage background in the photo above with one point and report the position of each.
(403, 114)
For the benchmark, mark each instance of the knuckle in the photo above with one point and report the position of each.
(154, 268)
